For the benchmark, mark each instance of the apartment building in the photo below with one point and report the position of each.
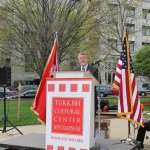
(138, 23)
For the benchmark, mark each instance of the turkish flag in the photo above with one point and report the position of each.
(39, 103)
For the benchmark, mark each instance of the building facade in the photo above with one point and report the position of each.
(138, 22)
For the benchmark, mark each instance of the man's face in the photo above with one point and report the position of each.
(83, 60)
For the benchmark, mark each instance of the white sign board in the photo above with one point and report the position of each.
(70, 114)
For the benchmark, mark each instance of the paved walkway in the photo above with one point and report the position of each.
(118, 130)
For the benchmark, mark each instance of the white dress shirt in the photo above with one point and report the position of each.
(85, 68)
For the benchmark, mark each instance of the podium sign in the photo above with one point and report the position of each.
(70, 113)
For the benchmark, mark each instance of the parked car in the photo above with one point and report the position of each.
(142, 92)
(148, 89)
(28, 94)
(12, 89)
(114, 91)
(103, 90)
(8, 92)
(25, 94)
(28, 87)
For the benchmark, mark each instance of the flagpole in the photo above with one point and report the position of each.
(56, 37)
(99, 106)
(128, 140)
(129, 130)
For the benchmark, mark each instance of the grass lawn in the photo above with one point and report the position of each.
(27, 117)
(144, 100)
(114, 101)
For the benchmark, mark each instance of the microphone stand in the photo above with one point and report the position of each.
(129, 140)
(5, 118)
(99, 100)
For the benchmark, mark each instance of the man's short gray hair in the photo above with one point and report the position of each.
(82, 53)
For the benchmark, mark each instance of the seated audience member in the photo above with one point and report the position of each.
(141, 131)
(104, 104)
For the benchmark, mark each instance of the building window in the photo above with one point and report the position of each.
(130, 28)
(110, 72)
(114, 65)
(109, 78)
(132, 46)
(7, 62)
(145, 31)
(131, 12)
(114, 76)
(145, 44)
(109, 66)
(146, 14)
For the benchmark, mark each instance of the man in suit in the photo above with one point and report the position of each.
(84, 66)
(141, 133)
(142, 130)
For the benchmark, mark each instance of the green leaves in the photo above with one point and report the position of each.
(142, 62)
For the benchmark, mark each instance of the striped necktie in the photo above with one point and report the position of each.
(83, 69)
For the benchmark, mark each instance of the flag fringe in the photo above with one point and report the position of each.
(124, 113)
(32, 109)
(115, 85)
(131, 120)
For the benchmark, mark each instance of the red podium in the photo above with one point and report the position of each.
(70, 111)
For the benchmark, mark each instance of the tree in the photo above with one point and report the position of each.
(142, 62)
(29, 27)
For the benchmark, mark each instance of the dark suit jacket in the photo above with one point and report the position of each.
(92, 69)
(94, 72)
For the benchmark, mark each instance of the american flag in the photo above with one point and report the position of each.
(125, 80)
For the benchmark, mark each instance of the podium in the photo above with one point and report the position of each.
(70, 110)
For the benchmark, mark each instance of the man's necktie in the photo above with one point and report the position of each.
(83, 69)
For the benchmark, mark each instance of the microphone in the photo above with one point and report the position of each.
(96, 62)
